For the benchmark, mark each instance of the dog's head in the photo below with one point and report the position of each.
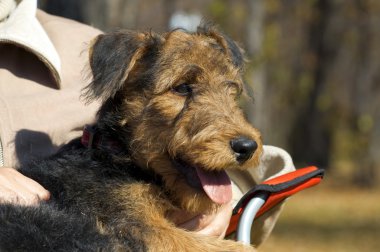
(171, 99)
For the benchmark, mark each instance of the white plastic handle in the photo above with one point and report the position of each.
(243, 232)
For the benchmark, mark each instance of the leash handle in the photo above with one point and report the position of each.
(243, 232)
(267, 195)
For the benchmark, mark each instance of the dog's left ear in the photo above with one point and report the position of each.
(235, 53)
(114, 57)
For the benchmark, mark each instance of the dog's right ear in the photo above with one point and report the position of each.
(113, 57)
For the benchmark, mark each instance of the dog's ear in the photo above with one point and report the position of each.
(235, 53)
(113, 58)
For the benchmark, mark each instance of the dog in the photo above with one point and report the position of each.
(168, 129)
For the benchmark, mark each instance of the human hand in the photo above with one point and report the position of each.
(214, 224)
(18, 189)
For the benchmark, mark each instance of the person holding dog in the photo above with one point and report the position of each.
(40, 83)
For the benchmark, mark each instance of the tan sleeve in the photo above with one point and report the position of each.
(36, 116)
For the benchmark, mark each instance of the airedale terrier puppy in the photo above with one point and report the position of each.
(169, 127)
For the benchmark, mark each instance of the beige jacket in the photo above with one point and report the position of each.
(41, 62)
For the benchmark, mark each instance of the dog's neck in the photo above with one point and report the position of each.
(93, 139)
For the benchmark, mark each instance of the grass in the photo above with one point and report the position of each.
(328, 218)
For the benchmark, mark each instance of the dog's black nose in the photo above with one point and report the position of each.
(243, 148)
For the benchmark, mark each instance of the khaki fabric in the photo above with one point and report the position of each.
(38, 114)
(23, 29)
(42, 58)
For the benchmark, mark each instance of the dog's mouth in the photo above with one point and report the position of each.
(216, 184)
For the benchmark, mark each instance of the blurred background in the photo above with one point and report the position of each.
(314, 68)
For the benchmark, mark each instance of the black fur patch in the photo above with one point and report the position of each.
(111, 57)
(45, 228)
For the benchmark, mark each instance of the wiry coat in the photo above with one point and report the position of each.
(169, 107)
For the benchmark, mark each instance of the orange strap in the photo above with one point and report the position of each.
(278, 189)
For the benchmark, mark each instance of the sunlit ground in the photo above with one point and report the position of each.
(328, 218)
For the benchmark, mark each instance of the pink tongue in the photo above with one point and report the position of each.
(216, 184)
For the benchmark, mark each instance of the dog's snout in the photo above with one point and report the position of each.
(243, 148)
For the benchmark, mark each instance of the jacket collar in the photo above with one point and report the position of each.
(21, 28)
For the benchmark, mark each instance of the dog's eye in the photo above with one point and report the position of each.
(183, 89)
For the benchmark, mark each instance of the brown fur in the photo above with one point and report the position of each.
(203, 133)
(164, 125)
(165, 98)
